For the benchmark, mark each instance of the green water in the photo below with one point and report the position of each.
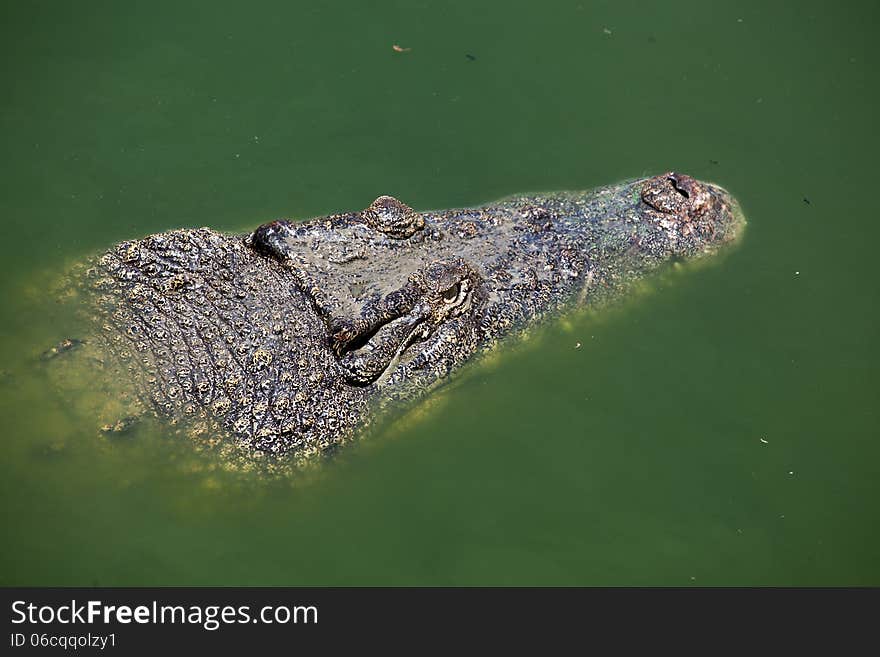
(636, 459)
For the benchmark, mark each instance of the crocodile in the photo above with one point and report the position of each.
(288, 339)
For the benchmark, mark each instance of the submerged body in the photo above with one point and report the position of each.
(288, 338)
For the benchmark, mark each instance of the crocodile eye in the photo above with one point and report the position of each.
(451, 294)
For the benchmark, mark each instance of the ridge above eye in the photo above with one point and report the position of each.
(392, 217)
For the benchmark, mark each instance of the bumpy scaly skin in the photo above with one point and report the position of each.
(289, 337)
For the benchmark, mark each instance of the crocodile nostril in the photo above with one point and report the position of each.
(674, 193)
(676, 187)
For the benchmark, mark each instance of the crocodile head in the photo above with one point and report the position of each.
(403, 291)
(287, 336)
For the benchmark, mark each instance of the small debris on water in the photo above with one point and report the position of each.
(714, 162)
(806, 200)
(797, 273)
(470, 57)
(397, 48)
(67, 344)
(120, 427)
(577, 346)
(765, 441)
(791, 472)
(606, 30)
